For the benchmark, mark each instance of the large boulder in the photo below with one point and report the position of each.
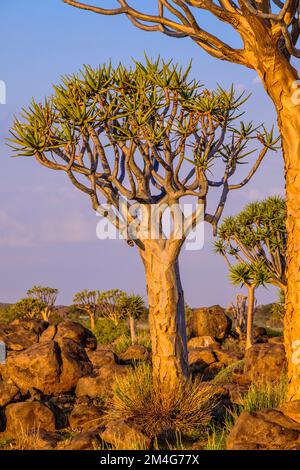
(101, 384)
(124, 437)
(265, 362)
(8, 391)
(48, 367)
(86, 440)
(21, 334)
(210, 321)
(34, 324)
(227, 357)
(264, 430)
(203, 342)
(28, 415)
(102, 357)
(73, 331)
(200, 359)
(16, 337)
(292, 409)
(136, 353)
(85, 417)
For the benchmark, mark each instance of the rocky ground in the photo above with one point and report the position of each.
(56, 383)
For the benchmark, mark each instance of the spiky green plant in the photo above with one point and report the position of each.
(46, 296)
(133, 307)
(253, 244)
(87, 301)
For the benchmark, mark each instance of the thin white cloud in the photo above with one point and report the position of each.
(48, 229)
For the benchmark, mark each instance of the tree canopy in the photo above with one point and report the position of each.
(253, 243)
(148, 134)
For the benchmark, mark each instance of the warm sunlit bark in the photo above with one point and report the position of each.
(166, 316)
(279, 79)
(132, 325)
(92, 321)
(250, 316)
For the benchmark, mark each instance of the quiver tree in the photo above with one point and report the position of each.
(46, 296)
(133, 307)
(87, 301)
(27, 309)
(238, 312)
(140, 140)
(253, 244)
(109, 305)
(269, 33)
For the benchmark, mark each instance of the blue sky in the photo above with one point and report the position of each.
(47, 228)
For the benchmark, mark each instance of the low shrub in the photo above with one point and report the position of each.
(136, 399)
(107, 332)
(7, 314)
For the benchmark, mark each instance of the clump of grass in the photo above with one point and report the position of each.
(139, 401)
(217, 434)
(265, 394)
(271, 332)
(225, 376)
(121, 344)
(27, 439)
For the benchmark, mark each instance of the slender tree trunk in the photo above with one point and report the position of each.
(132, 325)
(250, 316)
(92, 321)
(166, 318)
(280, 78)
(46, 314)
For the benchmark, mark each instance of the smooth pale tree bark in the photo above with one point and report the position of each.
(166, 316)
(250, 316)
(279, 78)
(132, 326)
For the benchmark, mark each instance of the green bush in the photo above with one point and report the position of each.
(7, 314)
(107, 332)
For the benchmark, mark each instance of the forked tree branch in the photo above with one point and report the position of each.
(176, 18)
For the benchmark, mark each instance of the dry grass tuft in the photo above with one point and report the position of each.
(136, 400)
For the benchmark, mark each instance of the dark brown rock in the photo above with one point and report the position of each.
(124, 437)
(203, 342)
(75, 364)
(227, 357)
(16, 337)
(210, 321)
(200, 359)
(8, 391)
(77, 333)
(88, 440)
(85, 417)
(136, 353)
(265, 362)
(102, 357)
(48, 367)
(264, 430)
(25, 416)
(101, 384)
